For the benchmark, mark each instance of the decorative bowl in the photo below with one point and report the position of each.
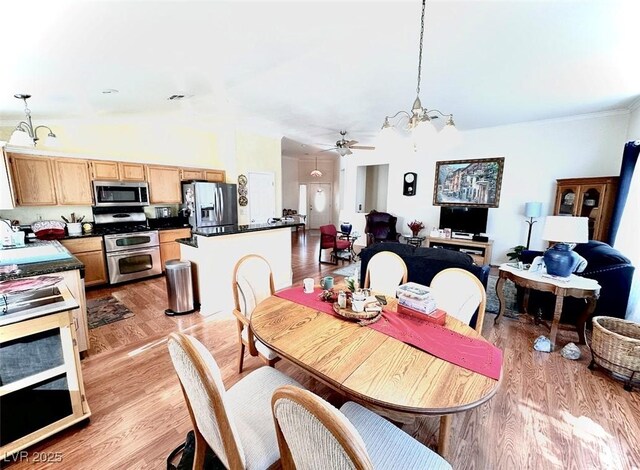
(48, 229)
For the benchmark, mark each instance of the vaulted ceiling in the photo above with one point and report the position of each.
(305, 70)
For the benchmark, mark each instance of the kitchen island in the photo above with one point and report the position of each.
(214, 252)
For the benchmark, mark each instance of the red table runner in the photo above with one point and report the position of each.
(474, 354)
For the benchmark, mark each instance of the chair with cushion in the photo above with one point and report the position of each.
(385, 272)
(236, 424)
(460, 294)
(381, 227)
(312, 434)
(329, 240)
(252, 283)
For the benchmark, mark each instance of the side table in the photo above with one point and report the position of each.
(351, 238)
(576, 286)
(414, 241)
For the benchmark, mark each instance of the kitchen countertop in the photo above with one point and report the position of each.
(234, 230)
(45, 267)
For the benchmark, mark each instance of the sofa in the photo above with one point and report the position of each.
(424, 263)
(605, 264)
(381, 227)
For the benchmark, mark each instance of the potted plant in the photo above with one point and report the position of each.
(516, 253)
(415, 227)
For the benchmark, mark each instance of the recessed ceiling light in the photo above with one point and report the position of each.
(177, 97)
(109, 91)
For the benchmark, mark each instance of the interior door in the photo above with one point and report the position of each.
(262, 197)
(319, 204)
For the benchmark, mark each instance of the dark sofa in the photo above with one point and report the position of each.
(608, 266)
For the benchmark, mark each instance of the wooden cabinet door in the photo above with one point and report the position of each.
(131, 171)
(164, 184)
(95, 270)
(215, 176)
(191, 174)
(169, 251)
(73, 184)
(567, 200)
(33, 180)
(104, 171)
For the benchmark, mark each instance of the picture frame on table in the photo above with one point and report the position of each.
(474, 183)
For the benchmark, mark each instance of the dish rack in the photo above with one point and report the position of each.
(615, 346)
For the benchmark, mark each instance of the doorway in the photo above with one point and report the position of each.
(319, 204)
(262, 197)
(372, 182)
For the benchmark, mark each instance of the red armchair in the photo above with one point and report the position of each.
(329, 240)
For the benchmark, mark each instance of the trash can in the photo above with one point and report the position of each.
(179, 287)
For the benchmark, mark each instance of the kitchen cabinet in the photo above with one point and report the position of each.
(191, 174)
(41, 391)
(215, 176)
(90, 252)
(588, 197)
(33, 180)
(131, 171)
(169, 248)
(73, 183)
(104, 171)
(164, 184)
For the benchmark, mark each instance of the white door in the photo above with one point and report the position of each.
(262, 197)
(319, 204)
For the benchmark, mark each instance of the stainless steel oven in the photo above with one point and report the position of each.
(132, 255)
(120, 193)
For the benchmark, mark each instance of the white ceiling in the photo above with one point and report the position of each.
(308, 69)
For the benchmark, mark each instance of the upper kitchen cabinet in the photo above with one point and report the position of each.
(191, 174)
(104, 171)
(73, 183)
(33, 180)
(131, 171)
(164, 184)
(215, 176)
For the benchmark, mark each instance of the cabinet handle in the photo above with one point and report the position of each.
(75, 322)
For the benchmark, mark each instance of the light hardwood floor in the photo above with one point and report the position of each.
(548, 413)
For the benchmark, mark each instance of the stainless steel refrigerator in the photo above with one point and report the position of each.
(210, 204)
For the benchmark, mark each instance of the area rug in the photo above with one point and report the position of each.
(510, 297)
(348, 270)
(106, 310)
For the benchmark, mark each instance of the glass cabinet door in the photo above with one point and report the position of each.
(590, 206)
(567, 200)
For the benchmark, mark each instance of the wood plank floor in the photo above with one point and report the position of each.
(548, 413)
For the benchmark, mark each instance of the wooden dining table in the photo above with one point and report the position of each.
(371, 368)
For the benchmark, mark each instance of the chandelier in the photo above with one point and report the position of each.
(25, 135)
(315, 173)
(420, 118)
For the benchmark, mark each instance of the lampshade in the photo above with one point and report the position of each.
(566, 229)
(533, 209)
(20, 138)
(423, 134)
(51, 141)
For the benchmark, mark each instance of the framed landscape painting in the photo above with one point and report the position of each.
(468, 182)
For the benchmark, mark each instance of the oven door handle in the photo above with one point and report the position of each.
(122, 253)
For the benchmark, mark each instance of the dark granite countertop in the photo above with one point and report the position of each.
(235, 229)
(45, 267)
(188, 241)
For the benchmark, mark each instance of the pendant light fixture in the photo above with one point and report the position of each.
(25, 135)
(419, 119)
(315, 173)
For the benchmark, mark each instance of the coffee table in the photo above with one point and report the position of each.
(575, 286)
(371, 368)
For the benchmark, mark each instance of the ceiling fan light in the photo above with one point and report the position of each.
(342, 151)
(21, 139)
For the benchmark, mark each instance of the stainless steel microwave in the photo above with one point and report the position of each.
(120, 193)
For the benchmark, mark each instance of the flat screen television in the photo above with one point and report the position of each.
(464, 219)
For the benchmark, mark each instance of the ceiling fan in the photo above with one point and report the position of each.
(344, 146)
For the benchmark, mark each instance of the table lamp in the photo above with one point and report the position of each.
(563, 230)
(532, 210)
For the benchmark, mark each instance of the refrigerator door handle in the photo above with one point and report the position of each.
(221, 204)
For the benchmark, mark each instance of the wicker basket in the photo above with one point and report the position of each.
(615, 346)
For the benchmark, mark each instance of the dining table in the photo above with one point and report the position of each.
(395, 379)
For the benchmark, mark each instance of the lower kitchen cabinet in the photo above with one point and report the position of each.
(169, 248)
(90, 251)
(41, 386)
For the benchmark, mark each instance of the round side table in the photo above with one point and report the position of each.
(414, 241)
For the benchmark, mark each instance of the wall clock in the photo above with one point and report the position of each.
(242, 180)
(409, 184)
(243, 201)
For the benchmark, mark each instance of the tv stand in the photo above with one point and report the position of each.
(479, 251)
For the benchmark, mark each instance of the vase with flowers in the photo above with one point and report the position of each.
(415, 227)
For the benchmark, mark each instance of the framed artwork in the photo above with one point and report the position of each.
(473, 183)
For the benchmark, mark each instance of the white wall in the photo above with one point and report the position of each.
(536, 154)
(290, 183)
(633, 133)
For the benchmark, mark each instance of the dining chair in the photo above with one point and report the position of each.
(385, 272)
(313, 435)
(329, 240)
(460, 293)
(252, 283)
(237, 423)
